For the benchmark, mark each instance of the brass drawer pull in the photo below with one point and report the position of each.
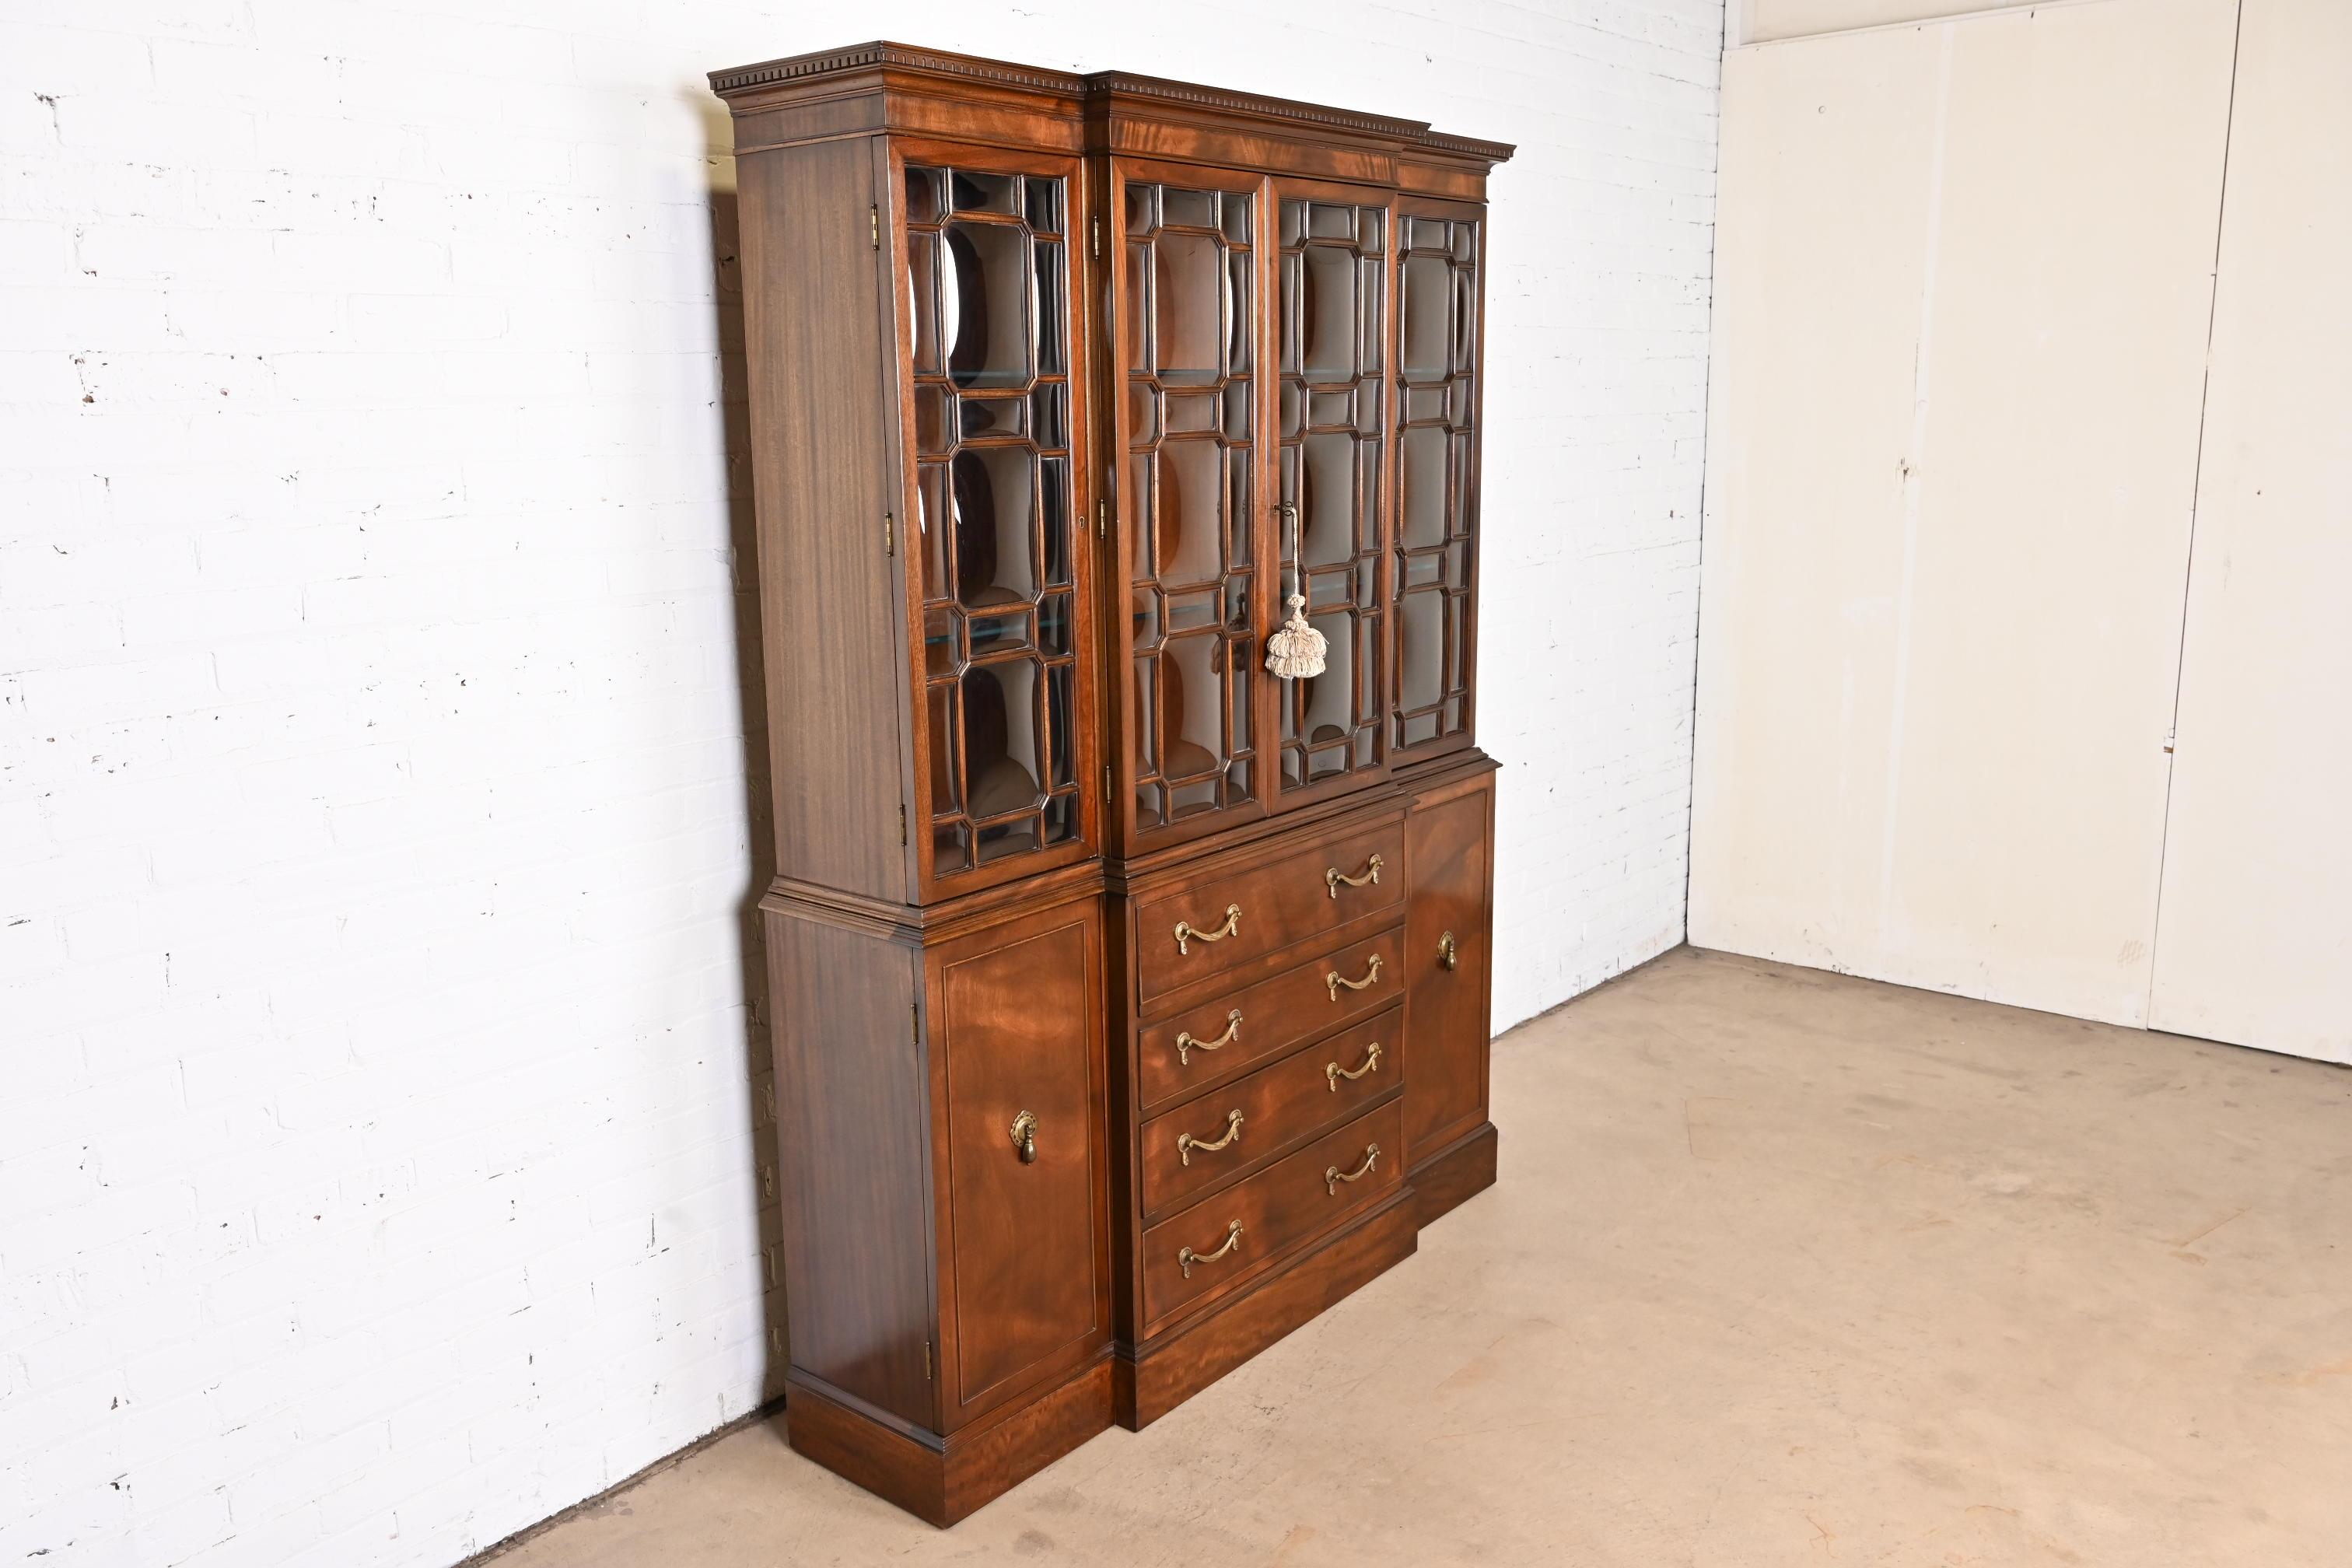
(1333, 876)
(1186, 1142)
(1333, 1175)
(1333, 1072)
(1334, 980)
(1187, 1042)
(1185, 933)
(1446, 953)
(1025, 1136)
(1186, 1256)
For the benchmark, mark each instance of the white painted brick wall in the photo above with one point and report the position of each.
(382, 1122)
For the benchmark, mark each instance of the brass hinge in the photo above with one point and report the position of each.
(1097, 236)
(915, 1022)
(926, 1361)
(874, 226)
(890, 533)
(1106, 781)
(902, 824)
(1102, 515)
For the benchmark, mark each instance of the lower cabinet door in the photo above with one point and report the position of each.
(1016, 1020)
(1448, 860)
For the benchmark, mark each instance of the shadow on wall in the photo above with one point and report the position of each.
(734, 411)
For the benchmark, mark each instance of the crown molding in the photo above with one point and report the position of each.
(884, 55)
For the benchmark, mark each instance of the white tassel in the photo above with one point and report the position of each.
(1296, 649)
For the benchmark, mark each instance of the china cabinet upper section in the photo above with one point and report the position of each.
(1074, 382)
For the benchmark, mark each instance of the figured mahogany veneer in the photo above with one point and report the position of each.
(1097, 956)
(1181, 1053)
(1265, 908)
(1233, 1130)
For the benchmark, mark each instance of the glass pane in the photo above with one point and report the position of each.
(984, 295)
(994, 516)
(988, 324)
(973, 193)
(1192, 699)
(1189, 497)
(1421, 624)
(923, 299)
(1421, 485)
(1002, 840)
(1002, 763)
(1188, 321)
(984, 416)
(1425, 337)
(1326, 313)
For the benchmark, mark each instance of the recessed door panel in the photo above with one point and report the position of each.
(1446, 965)
(1018, 1021)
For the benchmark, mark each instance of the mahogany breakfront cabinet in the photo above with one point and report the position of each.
(1130, 1003)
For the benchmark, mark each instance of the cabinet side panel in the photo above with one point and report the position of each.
(823, 387)
(854, 1158)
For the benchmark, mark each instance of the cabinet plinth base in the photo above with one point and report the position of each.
(1459, 1172)
(941, 1479)
(1176, 1366)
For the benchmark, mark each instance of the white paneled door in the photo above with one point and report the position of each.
(1964, 278)
(2254, 929)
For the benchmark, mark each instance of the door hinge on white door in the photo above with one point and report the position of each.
(2171, 740)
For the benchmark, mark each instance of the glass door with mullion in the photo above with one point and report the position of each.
(995, 462)
(1189, 393)
(1439, 332)
(1333, 245)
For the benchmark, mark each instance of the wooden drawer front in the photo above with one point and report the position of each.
(1184, 1258)
(1272, 1109)
(1183, 1051)
(1229, 919)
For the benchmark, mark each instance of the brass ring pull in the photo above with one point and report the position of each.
(1187, 1042)
(1186, 933)
(1333, 1072)
(1446, 956)
(1333, 1175)
(1186, 1142)
(1333, 876)
(1334, 980)
(1186, 1256)
(1025, 1136)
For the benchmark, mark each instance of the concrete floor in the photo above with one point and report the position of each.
(1784, 1268)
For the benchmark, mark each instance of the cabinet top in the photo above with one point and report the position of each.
(882, 63)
